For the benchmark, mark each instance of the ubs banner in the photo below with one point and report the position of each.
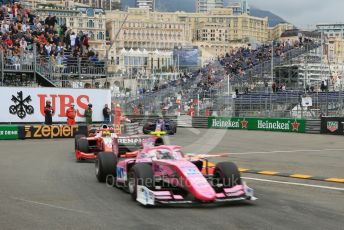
(332, 125)
(266, 124)
(24, 105)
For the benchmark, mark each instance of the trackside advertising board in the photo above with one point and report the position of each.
(264, 124)
(8, 132)
(332, 125)
(22, 105)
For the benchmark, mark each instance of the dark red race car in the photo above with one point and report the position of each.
(104, 139)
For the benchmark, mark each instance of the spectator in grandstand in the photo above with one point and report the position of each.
(48, 113)
(274, 87)
(71, 114)
(323, 86)
(106, 114)
(85, 40)
(284, 87)
(73, 40)
(88, 114)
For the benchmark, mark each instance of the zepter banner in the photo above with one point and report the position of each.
(27, 104)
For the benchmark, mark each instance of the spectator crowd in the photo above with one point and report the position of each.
(56, 45)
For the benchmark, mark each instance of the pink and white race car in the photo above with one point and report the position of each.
(164, 175)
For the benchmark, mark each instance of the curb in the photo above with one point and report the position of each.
(292, 175)
(211, 167)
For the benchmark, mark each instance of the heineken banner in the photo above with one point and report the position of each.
(332, 125)
(8, 132)
(266, 124)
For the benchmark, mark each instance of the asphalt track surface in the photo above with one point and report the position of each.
(42, 187)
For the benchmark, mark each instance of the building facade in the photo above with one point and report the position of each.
(150, 4)
(334, 45)
(331, 30)
(203, 6)
(144, 61)
(141, 28)
(239, 7)
(276, 31)
(215, 31)
(103, 4)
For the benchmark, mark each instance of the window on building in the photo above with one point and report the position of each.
(100, 36)
(90, 24)
(91, 34)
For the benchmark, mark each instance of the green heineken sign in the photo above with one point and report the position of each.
(8, 132)
(267, 124)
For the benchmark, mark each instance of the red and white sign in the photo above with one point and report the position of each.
(19, 104)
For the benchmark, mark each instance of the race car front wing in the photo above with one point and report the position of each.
(145, 196)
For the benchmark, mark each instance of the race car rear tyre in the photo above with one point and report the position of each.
(105, 166)
(82, 145)
(77, 137)
(227, 173)
(140, 174)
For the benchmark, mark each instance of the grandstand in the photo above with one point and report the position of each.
(243, 68)
(36, 51)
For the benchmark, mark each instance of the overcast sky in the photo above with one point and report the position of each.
(304, 13)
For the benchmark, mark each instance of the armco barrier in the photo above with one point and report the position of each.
(131, 128)
(200, 122)
(313, 126)
(142, 119)
(9, 132)
(332, 125)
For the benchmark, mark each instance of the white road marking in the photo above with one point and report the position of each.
(293, 183)
(284, 151)
(194, 131)
(50, 205)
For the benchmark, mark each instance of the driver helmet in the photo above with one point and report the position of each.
(106, 133)
(160, 118)
(90, 105)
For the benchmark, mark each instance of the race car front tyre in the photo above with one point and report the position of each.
(105, 166)
(140, 174)
(82, 145)
(227, 173)
(76, 138)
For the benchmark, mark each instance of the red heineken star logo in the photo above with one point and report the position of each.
(296, 126)
(244, 124)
